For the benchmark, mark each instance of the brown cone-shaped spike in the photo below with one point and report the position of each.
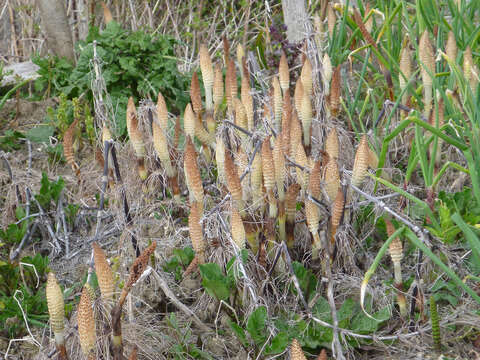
(133, 130)
(195, 230)
(284, 73)
(296, 352)
(286, 132)
(104, 273)
(107, 14)
(202, 134)
(161, 148)
(55, 303)
(162, 113)
(220, 159)
(395, 249)
(217, 86)
(189, 122)
(327, 73)
(207, 75)
(68, 147)
(86, 323)
(306, 77)
(302, 160)
(405, 67)
(277, 102)
(291, 201)
(295, 134)
(335, 91)
(451, 47)
(372, 159)
(192, 173)
(247, 100)
(279, 165)
(133, 354)
(256, 175)
(195, 95)
(322, 355)
(360, 165)
(331, 177)
(427, 66)
(233, 181)
(241, 158)
(331, 144)
(331, 19)
(240, 116)
(337, 209)
(237, 228)
(306, 117)
(298, 96)
(230, 84)
(268, 168)
(314, 185)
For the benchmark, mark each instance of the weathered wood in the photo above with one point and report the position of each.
(19, 72)
(296, 19)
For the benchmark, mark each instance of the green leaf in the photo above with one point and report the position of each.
(256, 325)
(278, 344)
(40, 134)
(214, 282)
(469, 234)
(239, 332)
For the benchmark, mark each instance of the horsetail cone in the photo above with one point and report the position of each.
(68, 147)
(247, 101)
(192, 173)
(231, 86)
(240, 56)
(86, 324)
(279, 165)
(337, 213)
(220, 159)
(298, 96)
(268, 171)
(189, 122)
(162, 113)
(306, 77)
(327, 73)
(195, 95)
(331, 19)
(451, 47)
(104, 273)
(331, 178)
(295, 134)
(240, 117)
(277, 102)
(314, 185)
(233, 182)
(56, 306)
(207, 76)
(360, 166)
(425, 52)
(237, 228)
(217, 86)
(195, 231)
(284, 73)
(296, 352)
(290, 211)
(332, 144)
(405, 69)
(302, 160)
(335, 91)
(256, 176)
(306, 117)
(395, 249)
(136, 138)
(161, 148)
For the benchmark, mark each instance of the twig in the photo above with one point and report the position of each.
(228, 122)
(399, 106)
(126, 209)
(293, 163)
(250, 161)
(317, 202)
(27, 236)
(106, 152)
(47, 222)
(169, 294)
(29, 162)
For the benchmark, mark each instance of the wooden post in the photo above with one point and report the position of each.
(296, 19)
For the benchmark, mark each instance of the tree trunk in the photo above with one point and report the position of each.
(57, 31)
(296, 19)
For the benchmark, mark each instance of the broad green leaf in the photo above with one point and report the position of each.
(256, 325)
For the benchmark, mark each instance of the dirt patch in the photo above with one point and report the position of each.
(24, 114)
